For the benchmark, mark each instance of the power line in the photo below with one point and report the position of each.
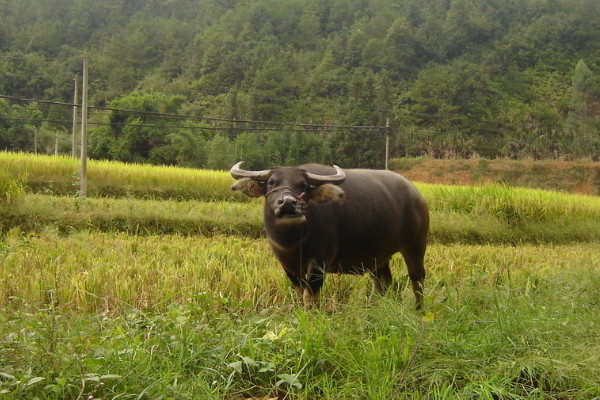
(307, 126)
(258, 125)
(24, 100)
(37, 57)
(304, 126)
(164, 126)
(34, 120)
(239, 129)
(10, 74)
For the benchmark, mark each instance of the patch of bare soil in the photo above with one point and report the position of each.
(566, 176)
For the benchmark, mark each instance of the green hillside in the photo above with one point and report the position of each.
(458, 78)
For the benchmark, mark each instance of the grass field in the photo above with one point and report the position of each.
(59, 176)
(200, 202)
(180, 298)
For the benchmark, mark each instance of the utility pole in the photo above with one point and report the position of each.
(84, 112)
(73, 134)
(387, 141)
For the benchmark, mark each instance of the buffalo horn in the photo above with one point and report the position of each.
(238, 173)
(316, 180)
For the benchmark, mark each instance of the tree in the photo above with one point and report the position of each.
(190, 148)
(400, 54)
(249, 148)
(328, 79)
(578, 121)
(474, 69)
(276, 146)
(18, 126)
(581, 90)
(430, 99)
(273, 87)
(469, 23)
(361, 147)
(132, 136)
(220, 153)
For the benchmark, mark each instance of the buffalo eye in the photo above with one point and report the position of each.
(270, 183)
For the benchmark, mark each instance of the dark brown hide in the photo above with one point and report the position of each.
(352, 225)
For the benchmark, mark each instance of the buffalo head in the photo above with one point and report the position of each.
(289, 190)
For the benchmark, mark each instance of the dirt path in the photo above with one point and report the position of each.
(567, 176)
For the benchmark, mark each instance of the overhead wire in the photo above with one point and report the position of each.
(303, 126)
(235, 123)
(32, 56)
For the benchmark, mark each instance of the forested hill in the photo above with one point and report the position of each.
(455, 78)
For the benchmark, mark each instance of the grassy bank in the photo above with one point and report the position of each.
(37, 213)
(485, 214)
(124, 316)
(504, 214)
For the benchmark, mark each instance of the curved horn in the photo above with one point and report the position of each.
(337, 178)
(238, 173)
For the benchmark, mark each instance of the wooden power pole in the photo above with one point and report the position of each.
(84, 112)
(73, 134)
(387, 142)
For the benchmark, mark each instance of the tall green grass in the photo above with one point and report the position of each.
(510, 204)
(124, 316)
(498, 213)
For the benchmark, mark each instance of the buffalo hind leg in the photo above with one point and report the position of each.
(382, 279)
(416, 272)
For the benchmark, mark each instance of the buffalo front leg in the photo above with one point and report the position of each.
(297, 285)
(382, 279)
(312, 284)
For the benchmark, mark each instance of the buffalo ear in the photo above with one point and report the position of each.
(249, 187)
(327, 191)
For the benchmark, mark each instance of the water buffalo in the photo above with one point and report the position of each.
(322, 219)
